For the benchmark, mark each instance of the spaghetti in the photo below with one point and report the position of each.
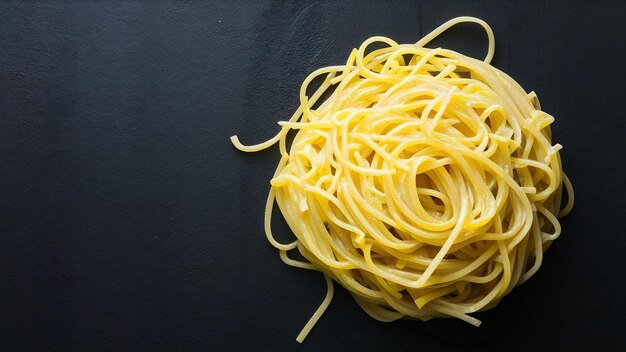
(426, 183)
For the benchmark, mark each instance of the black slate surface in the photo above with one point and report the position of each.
(128, 222)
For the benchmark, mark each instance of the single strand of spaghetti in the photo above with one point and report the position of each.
(306, 103)
(570, 196)
(270, 142)
(318, 312)
(295, 263)
(269, 204)
(463, 19)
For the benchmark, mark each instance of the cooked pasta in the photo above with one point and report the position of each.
(426, 183)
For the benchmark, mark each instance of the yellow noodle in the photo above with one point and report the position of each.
(426, 183)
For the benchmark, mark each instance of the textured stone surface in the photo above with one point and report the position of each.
(128, 221)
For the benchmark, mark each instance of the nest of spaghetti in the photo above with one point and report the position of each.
(425, 182)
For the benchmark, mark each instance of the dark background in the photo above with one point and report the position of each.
(129, 222)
